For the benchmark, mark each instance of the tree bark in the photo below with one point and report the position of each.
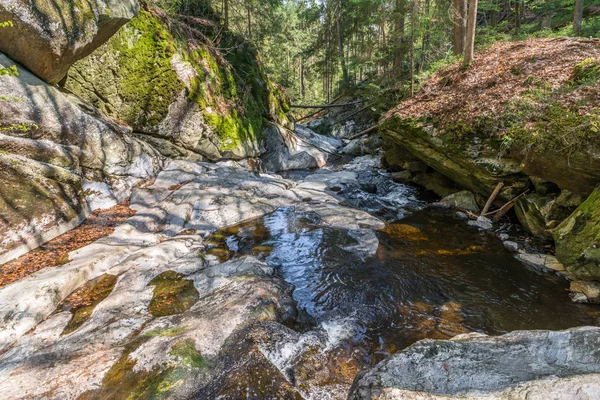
(578, 17)
(460, 26)
(341, 44)
(471, 25)
(412, 47)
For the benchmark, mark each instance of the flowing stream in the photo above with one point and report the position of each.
(365, 295)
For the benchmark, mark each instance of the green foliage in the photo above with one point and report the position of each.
(587, 72)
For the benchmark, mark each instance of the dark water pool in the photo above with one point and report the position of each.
(431, 277)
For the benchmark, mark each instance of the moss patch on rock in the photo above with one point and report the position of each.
(160, 77)
(172, 294)
(578, 239)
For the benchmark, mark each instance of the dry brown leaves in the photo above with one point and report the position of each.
(54, 253)
(498, 76)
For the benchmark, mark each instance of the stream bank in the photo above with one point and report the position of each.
(268, 287)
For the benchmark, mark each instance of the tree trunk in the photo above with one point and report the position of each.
(460, 26)
(399, 33)
(470, 42)
(578, 18)
(341, 44)
(517, 17)
(302, 84)
(412, 48)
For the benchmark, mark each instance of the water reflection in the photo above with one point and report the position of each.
(432, 277)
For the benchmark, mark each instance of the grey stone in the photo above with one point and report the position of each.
(50, 145)
(287, 151)
(482, 223)
(48, 37)
(521, 364)
(402, 176)
(464, 200)
(512, 246)
(585, 292)
(542, 262)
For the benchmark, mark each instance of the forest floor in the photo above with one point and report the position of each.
(54, 253)
(564, 71)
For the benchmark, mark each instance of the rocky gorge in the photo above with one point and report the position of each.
(261, 259)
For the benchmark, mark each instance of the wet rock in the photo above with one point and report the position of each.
(464, 200)
(533, 212)
(462, 216)
(504, 236)
(542, 262)
(585, 292)
(578, 239)
(520, 364)
(436, 182)
(512, 246)
(367, 243)
(48, 38)
(402, 176)
(323, 142)
(482, 223)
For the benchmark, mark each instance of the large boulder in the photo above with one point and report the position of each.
(182, 95)
(54, 153)
(521, 364)
(288, 151)
(578, 239)
(473, 164)
(48, 37)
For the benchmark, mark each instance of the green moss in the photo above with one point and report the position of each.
(172, 294)
(587, 72)
(578, 239)
(166, 332)
(147, 84)
(186, 353)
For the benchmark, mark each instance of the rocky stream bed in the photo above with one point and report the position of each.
(231, 284)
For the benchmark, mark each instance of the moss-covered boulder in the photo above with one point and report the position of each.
(472, 162)
(49, 36)
(578, 239)
(170, 83)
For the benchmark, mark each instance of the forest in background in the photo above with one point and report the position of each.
(316, 48)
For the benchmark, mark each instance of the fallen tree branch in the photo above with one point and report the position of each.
(501, 212)
(322, 107)
(344, 119)
(490, 201)
(365, 132)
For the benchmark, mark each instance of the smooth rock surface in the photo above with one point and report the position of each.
(521, 364)
(48, 37)
(49, 146)
(464, 200)
(289, 151)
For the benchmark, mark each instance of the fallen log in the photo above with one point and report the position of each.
(365, 132)
(324, 106)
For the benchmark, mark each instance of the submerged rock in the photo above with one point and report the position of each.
(520, 364)
(542, 262)
(48, 37)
